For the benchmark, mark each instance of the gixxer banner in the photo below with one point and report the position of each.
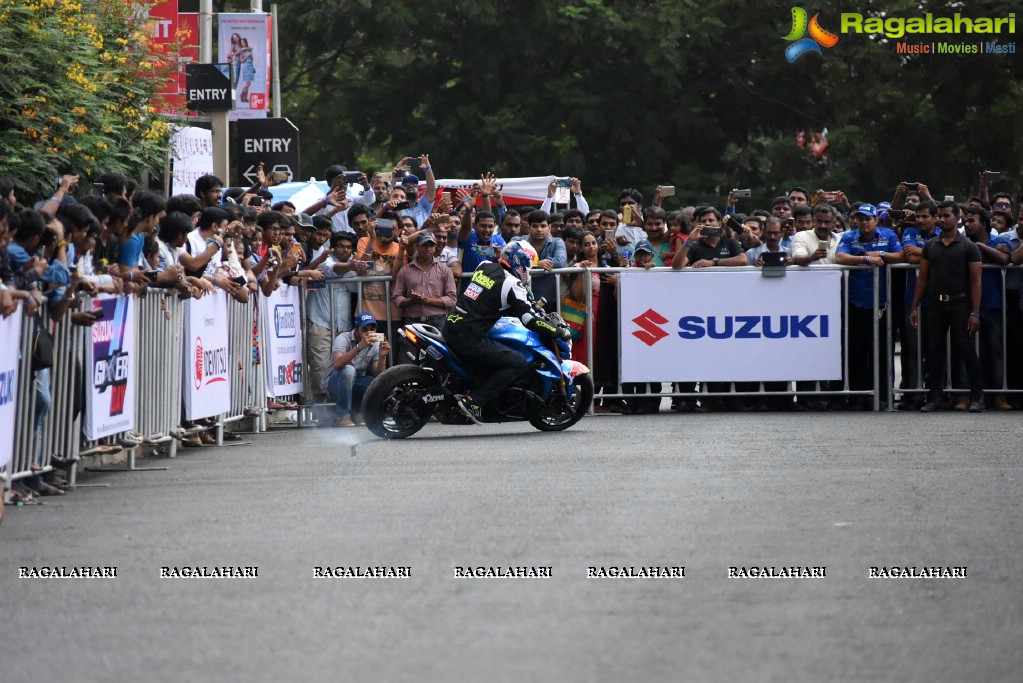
(110, 362)
(739, 326)
(284, 342)
(207, 360)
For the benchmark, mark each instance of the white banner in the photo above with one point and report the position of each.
(730, 326)
(531, 190)
(244, 43)
(110, 362)
(207, 359)
(10, 338)
(283, 344)
(191, 157)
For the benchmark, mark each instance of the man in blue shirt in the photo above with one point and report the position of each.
(869, 245)
(552, 254)
(992, 353)
(478, 243)
(914, 341)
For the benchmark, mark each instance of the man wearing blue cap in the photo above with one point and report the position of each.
(867, 245)
(358, 356)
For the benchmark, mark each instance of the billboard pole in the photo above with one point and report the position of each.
(275, 65)
(219, 119)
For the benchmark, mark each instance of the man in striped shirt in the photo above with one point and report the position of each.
(424, 289)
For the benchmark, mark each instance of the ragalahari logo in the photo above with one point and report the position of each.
(818, 36)
(649, 323)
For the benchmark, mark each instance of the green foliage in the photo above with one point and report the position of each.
(77, 80)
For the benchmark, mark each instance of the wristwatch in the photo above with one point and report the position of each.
(716, 260)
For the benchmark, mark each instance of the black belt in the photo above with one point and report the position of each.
(421, 319)
(945, 298)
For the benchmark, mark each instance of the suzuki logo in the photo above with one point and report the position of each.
(650, 333)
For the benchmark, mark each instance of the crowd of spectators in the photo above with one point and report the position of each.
(414, 243)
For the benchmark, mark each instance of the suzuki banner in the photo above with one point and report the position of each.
(244, 42)
(207, 360)
(730, 326)
(284, 342)
(110, 360)
(10, 337)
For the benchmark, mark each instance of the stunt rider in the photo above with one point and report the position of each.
(495, 290)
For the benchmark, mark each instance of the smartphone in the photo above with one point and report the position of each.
(563, 182)
(991, 176)
(98, 313)
(609, 235)
(97, 189)
(401, 206)
(913, 187)
(352, 176)
(443, 218)
(667, 190)
(384, 223)
(152, 274)
(446, 194)
(387, 177)
(627, 214)
(896, 214)
(711, 232)
(950, 198)
(413, 161)
(280, 177)
(733, 223)
(740, 194)
(316, 284)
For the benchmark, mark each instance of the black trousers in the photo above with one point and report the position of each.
(494, 366)
(950, 317)
(862, 373)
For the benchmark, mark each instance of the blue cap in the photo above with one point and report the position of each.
(643, 245)
(866, 210)
(409, 179)
(364, 319)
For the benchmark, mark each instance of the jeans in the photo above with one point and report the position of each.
(346, 389)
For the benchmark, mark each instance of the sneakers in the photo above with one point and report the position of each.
(932, 406)
(977, 406)
(470, 409)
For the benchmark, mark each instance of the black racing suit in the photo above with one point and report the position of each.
(492, 293)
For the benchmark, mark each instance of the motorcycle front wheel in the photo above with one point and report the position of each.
(554, 415)
(391, 406)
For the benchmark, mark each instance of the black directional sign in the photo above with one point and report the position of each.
(208, 87)
(274, 142)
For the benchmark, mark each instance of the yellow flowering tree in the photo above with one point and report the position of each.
(76, 82)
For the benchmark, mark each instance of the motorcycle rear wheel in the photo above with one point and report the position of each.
(553, 416)
(391, 407)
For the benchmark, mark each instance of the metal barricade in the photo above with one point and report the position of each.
(160, 323)
(248, 380)
(896, 384)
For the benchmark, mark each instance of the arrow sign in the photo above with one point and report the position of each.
(272, 142)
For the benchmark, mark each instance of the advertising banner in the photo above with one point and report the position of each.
(110, 360)
(207, 359)
(284, 342)
(730, 326)
(244, 43)
(10, 337)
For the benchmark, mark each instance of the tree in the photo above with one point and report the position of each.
(76, 81)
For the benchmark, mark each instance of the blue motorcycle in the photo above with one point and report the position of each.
(554, 395)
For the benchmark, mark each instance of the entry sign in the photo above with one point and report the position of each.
(274, 142)
(208, 87)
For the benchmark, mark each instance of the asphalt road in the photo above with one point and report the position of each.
(841, 491)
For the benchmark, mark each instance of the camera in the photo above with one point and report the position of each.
(741, 194)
